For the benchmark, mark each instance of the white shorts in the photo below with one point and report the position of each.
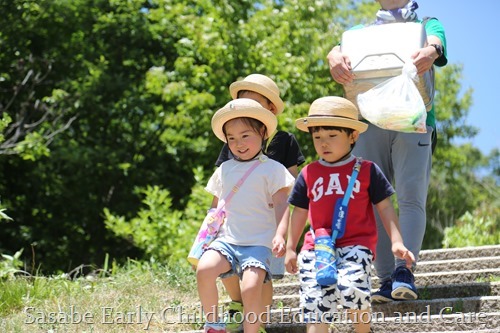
(352, 291)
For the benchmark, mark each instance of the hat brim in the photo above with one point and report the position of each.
(237, 86)
(227, 113)
(303, 124)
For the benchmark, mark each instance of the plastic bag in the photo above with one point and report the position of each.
(395, 104)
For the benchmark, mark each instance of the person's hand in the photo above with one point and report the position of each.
(291, 262)
(401, 252)
(340, 66)
(279, 246)
(424, 58)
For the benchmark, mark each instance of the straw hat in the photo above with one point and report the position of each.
(331, 111)
(243, 107)
(260, 84)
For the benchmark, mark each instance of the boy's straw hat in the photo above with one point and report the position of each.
(260, 84)
(331, 111)
(243, 107)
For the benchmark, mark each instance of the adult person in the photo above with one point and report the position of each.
(405, 158)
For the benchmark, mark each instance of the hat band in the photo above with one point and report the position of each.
(329, 115)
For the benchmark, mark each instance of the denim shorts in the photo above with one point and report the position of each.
(241, 257)
(352, 291)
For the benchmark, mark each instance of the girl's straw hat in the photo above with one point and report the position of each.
(243, 107)
(260, 84)
(331, 111)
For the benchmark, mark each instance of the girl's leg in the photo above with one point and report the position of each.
(361, 320)
(251, 292)
(211, 265)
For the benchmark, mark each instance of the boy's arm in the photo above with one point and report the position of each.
(297, 223)
(390, 221)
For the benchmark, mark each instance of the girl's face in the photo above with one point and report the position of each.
(331, 145)
(243, 140)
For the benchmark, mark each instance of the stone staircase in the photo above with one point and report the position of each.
(459, 291)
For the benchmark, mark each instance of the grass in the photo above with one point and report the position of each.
(139, 297)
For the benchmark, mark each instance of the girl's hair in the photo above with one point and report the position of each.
(314, 129)
(255, 124)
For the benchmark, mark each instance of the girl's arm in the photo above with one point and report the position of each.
(390, 221)
(215, 202)
(282, 213)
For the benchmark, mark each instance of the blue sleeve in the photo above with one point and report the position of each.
(298, 197)
(380, 188)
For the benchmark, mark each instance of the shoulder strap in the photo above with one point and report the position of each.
(236, 187)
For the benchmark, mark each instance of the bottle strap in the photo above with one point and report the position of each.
(347, 194)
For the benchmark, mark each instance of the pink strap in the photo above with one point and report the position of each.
(237, 186)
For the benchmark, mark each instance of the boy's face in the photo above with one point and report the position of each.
(266, 104)
(243, 141)
(331, 145)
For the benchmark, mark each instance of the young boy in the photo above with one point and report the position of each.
(282, 147)
(333, 124)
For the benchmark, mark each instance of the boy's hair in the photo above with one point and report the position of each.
(255, 124)
(241, 92)
(314, 129)
(346, 130)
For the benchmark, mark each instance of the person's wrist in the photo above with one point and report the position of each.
(438, 49)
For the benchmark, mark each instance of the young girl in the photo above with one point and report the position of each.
(252, 231)
(282, 147)
(334, 127)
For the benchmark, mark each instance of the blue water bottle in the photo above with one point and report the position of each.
(326, 268)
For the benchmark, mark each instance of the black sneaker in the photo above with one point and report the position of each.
(403, 284)
(383, 295)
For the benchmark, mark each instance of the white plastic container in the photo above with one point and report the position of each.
(378, 53)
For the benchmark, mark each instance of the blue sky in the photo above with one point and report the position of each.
(473, 38)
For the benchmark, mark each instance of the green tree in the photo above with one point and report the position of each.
(120, 99)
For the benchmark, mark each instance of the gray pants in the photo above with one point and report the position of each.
(405, 159)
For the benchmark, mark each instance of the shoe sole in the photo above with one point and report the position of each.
(381, 299)
(403, 293)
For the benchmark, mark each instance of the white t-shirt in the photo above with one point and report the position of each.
(250, 217)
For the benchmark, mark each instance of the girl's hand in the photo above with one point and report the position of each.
(279, 246)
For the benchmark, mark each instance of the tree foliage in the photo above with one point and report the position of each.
(106, 106)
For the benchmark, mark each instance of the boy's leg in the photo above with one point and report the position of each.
(354, 283)
(232, 285)
(211, 265)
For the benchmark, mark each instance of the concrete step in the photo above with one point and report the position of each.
(452, 291)
(458, 264)
(422, 280)
(436, 266)
(460, 253)
(445, 323)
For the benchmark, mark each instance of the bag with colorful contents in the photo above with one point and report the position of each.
(207, 233)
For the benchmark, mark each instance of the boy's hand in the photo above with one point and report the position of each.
(279, 246)
(401, 252)
(291, 262)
